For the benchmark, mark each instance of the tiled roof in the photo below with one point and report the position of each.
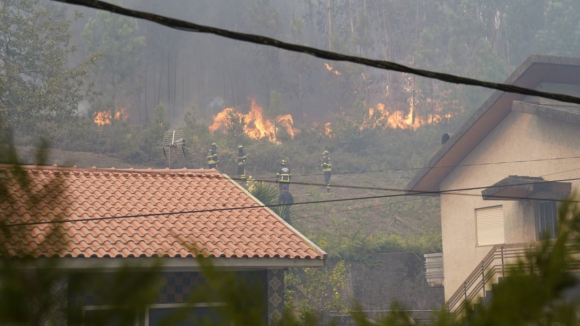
(102, 193)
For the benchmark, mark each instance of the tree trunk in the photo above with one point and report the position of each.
(146, 102)
(314, 18)
(159, 87)
(154, 93)
(350, 18)
(175, 84)
(169, 108)
(114, 110)
(301, 109)
(183, 85)
(329, 26)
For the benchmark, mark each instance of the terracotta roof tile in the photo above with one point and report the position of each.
(98, 193)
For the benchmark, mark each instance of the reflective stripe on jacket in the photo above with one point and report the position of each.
(284, 175)
(242, 159)
(212, 157)
(326, 165)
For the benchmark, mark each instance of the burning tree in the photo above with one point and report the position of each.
(253, 124)
(106, 117)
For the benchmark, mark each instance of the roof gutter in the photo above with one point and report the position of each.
(175, 264)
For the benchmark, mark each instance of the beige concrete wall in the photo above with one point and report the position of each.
(519, 137)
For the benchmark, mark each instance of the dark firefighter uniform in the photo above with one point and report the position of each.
(212, 157)
(241, 163)
(326, 169)
(283, 176)
(285, 200)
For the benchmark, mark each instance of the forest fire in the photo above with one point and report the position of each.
(332, 70)
(379, 117)
(104, 117)
(327, 129)
(255, 125)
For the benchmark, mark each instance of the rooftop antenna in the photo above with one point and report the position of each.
(174, 146)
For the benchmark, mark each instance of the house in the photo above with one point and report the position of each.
(500, 176)
(113, 217)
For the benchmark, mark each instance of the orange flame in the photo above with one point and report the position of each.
(379, 117)
(327, 130)
(332, 70)
(221, 119)
(256, 126)
(104, 117)
(287, 122)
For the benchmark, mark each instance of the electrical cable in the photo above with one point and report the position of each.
(453, 166)
(272, 180)
(404, 190)
(211, 210)
(329, 55)
(545, 175)
(358, 209)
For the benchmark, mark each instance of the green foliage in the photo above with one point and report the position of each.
(312, 291)
(115, 40)
(285, 212)
(35, 82)
(561, 32)
(268, 195)
(351, 243)
(131, 143)
(265, 193)
(235, 126)
(524, 20)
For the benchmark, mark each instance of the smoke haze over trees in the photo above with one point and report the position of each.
(485, 40)
(141, 68)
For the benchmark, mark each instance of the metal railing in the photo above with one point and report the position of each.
(493, 266)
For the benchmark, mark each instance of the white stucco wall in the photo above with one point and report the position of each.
(519, 137)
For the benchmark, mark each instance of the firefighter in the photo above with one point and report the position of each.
(285, 200)
(251, 184)
(283, 176)
(241, 163)
(212, 157)
(285, 197)
(326, 169)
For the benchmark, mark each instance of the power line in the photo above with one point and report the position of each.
(211, 210)
(359, 208)
(545, 175)
(272, 180)
(406, 190)
(460, 165)
(267, 41)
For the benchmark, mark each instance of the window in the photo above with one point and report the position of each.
(109, 315)
(199, 314)
(546, 213)
(490, 225)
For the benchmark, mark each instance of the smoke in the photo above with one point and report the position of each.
(83, 109)
(184, 70)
